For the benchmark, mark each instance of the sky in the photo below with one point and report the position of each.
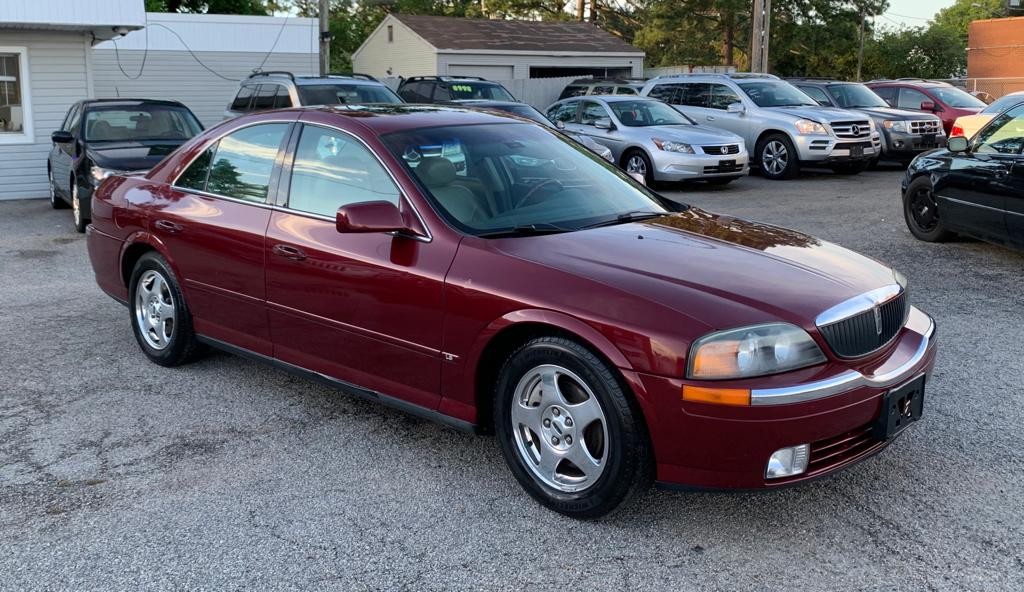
(912, 13)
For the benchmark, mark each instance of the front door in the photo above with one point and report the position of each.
(1005, 136)
(362, 308)
(62, 155)
(213, 220)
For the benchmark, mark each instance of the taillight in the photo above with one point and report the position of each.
(958, 130)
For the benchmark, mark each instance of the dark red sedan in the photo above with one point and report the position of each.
(486, 273)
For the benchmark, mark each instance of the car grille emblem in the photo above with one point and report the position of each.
(878, 320)
(855, 130)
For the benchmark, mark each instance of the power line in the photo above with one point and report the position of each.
(916, 18)
(194, 56)
(145, 54)
(284, 22)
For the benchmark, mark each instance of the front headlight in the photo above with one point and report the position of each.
(896, 126)
(672, 146)
(808, 127)
(752, 351)
(99, 173)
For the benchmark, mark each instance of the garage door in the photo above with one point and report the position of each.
(488, 72)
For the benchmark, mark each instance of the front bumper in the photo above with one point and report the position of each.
(907, 145)
(832, 408)
(828, 149)
(673, 166)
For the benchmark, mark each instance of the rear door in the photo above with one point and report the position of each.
(361, 308)
(213, 221)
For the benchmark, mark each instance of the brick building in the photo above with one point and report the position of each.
(995, 55)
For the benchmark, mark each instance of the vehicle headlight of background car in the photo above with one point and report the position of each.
(673, 146)
(896, 125)
(98, 174)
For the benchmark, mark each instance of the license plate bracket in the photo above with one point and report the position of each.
(856, 151)
(901, 407)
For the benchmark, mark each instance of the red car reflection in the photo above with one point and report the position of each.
(487, 274)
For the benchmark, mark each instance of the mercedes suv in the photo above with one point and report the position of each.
(786, 127)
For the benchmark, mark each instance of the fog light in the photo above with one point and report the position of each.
(787, 462)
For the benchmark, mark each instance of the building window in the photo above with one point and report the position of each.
(15, 107)
(391, 34)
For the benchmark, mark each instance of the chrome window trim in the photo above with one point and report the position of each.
(858, 304)
(849, 379)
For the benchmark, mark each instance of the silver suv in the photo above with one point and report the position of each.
(278, 90)
(784, 126)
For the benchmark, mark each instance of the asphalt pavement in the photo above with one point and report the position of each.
(117, 474)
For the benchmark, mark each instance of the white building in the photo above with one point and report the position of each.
(56, 52)
(418, 45)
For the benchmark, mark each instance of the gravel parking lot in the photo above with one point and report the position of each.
(117, 474)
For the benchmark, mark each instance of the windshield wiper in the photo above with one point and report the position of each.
(525, 230)
(634, 216)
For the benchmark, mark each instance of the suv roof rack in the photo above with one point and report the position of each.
(444, 78)
(813, 78)
(911, 79)
(734, 75)
(615, 79)
(359, 75)
(259, 73)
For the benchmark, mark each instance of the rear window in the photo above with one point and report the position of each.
(141, 122)
(334, 94)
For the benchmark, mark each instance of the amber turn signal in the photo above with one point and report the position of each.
(716, 396)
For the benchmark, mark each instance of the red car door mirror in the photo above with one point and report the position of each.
(927, 106)
(370, 216)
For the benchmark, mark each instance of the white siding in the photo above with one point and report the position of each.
(407, 55)
(219, 32)
(57, 69)
(177, 76)
(521, 63)
(490, 71)
(54, 14)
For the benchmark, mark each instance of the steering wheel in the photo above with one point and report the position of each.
(535, 189)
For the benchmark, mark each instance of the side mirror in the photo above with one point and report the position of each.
(369, 216)
(927, 106)
(957, 144)
(62, 137)
(639, 178)
(560, 124)
(604, 123)
(735, 108)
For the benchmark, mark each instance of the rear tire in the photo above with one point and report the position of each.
(570, 434)
(921, 212)
(777, 158)
(160, 317)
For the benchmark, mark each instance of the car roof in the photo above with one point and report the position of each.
(613, 98)
(131, 102)
(387, 118)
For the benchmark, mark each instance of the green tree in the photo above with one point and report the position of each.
(956, 18)
(258, 7)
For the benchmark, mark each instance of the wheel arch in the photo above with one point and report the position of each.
(135, 247)
(769, 132)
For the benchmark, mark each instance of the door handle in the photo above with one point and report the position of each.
(167, 226)
(288, 252)
(711, 117)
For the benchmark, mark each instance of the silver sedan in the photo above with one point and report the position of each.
(650, 138)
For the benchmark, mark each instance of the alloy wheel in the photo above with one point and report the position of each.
(560, 430)
(924, 210)
(154, 309)
(636, 164)
(775, 157)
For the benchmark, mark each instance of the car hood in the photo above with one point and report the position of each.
(893, 113)
(740, 271)
(131, 156)
(691, 134)
(819, 114)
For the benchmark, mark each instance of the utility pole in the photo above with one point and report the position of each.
(579, 9)
(762, 18)
(325, 37)
(593, 11)
(860, 52)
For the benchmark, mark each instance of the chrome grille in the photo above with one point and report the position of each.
(852, 129)
(727, 149)
(924, 126)
(867, 331)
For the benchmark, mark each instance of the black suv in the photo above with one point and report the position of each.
(279, 90)
(905, 134)
(451, 89)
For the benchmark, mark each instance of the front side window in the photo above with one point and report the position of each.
(954, 97)
(244, 160)
(770, 93)
(137, 123)
(911, 99)
(888, 94)
(341, 94)
(196, 174)
(647, 113)
(564, 112)
(333, 169)
(532, 178)
(816, 93)
(1004, 135)
(15, 113)
(592, 112)
(855, 96)
(722, 96)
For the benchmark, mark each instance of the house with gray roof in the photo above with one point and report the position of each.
(419, 45)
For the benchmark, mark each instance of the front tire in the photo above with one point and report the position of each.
(921, 212)
(568, 431)
(777, 158)
(78, 215)
(160, 317)
(637, 161)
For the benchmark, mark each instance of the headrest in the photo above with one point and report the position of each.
(435, 171)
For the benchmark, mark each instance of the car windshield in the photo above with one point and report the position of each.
(1000, 105)
(463, 91)
(954, 97)
(645, 113)
(334, 94)
(776, 94)
(855, 95)
(518, 178)
(139, 122)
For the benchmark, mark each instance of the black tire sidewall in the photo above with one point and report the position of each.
(792, 166)
(627, 447)
(182, 336)
(937, 234)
